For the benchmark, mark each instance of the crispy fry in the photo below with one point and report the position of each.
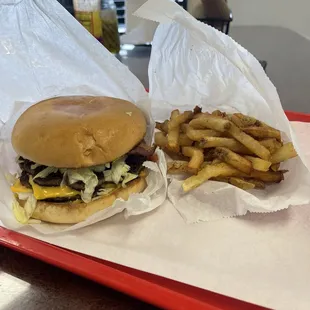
(197, 110)
(268, 176)
(270, 144)
(257, 183)
(263, 132)
(236, 120)
(212, 122)
(275, 167)
(173, 132)
(177, 167)
(230, 143)
(246, 120)
(184, 127)
(241, 183)
(199, 134)
(181, 118)
(208, 172)
(162, 126)
(184, 140)
(196, 157)
(249, 142)
(199, 115)
(160, 139)
(286, 152)
(219, 113)
(233, 159)
(258, 163)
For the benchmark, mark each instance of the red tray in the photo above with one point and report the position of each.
(153, 289)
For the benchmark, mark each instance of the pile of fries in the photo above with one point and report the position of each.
(231, 148)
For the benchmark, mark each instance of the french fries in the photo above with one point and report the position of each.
(232, 148)
(233, 159)
(263, 132)
(196, 157)
(249, 142)
(258, 163)
(212, 122)
(284, 153)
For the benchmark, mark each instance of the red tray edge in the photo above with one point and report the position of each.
(116, 279)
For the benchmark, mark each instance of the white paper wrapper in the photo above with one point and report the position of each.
(51, 54)
(194, 64)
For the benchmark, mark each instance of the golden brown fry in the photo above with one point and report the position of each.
(263, 132)
(270, 144)
(286, 152)
(177, 167)
(275, 167)
(258, 163)
(184, 140)
(199, 134)
(257, 183)
(173, 132)
(249, 142)
(219, 113)
(236, 120)
(160, 139)
(268, 176)
(240, 183)
(199, 115)
(197, 110)
(196, 157)
(184, 127)
(208, 172)
(230, 143)
(162, 126)
(246, 120)
(212, 122)
(181, 118)
(233, 159)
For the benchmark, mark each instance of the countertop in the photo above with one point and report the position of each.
(26, 283)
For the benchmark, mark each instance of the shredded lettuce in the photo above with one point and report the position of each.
(34, 166)
(45, 172)
(118, 170)
(23, 214)
(128, 177)
(88, 177)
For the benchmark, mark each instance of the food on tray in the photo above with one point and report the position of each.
(231, 148)
(77, 155)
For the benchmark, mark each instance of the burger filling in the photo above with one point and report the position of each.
(86, 184)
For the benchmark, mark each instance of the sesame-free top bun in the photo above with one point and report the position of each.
(78, 131)
(75, 212)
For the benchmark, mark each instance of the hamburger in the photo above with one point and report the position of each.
(77, 155)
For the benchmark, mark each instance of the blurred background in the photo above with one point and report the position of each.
(276, 32)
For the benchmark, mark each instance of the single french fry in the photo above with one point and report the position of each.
(184, 127)
(286, 152)
(199, 115)
(268, 176)
(249, 142)
(196, 157)
(162, 126)
(258, 163)
(173, 132)
(177, 167)
(184, 140)
(275, 167)
(246, 120)
(218, 113)
(181, 118)
(199, 134)
(212, 122)
(271, 144)
(257, 183)
(236, 120)
(208, 172)
(263, 132)
(160, 139)
(240, 183)
(233, 159)
(230, 143)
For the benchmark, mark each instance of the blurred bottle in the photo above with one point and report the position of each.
(87, 12)
(110, 35)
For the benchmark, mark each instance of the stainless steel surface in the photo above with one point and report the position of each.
(26, 283)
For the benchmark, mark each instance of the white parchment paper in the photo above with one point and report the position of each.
(44, 52)
(195, 64)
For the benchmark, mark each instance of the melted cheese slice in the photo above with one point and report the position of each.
(44, 192)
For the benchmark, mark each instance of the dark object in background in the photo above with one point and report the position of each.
(68, 4)
(217, 14)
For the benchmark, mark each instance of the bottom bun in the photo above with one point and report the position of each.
(75, 212)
